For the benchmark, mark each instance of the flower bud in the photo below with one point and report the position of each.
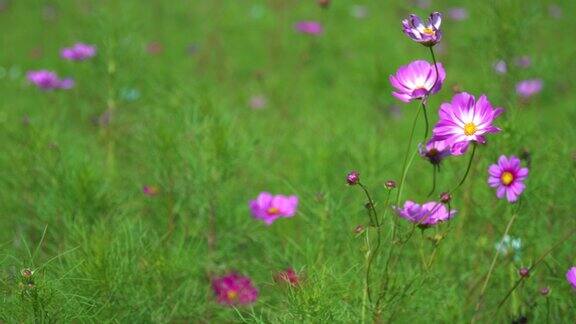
(524, 272)
(324, 3)
(445, 197)
(353, 178)
(544, 291)
(359, 229)
(390, 184)
(27, 273)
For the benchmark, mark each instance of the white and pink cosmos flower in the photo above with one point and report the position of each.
(417, 80)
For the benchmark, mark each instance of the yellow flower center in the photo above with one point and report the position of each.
(273, 211)
(428, 31)
(507, 178)
(232, 294)
(469, 129)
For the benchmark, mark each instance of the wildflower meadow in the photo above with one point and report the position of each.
(287, 161)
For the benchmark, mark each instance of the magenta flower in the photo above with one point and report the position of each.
(528, 88)
(353, 178)
(78, 52)
(465, 120)
(425, 215)
(234, 289)
(416, 80)
(427, 34)
(507, 176)
(434, 151)
(571, 277)
(150, 190)
(48, 80)
(268, 207)
(309, 27)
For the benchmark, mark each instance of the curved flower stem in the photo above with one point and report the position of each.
(427, 125)
(492, 265)
(406, 158)
(371, 253)
(474, 145)
(435, 66)
(434, 170)
(538, 261)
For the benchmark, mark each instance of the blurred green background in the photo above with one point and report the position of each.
(214, 101)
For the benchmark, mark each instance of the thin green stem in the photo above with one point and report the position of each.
(538, 261)
(435, 66)
(474, 145)
(406, 158)
(434, 170)
(427, 124)
(491, 269)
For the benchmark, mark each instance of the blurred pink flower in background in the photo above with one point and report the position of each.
(150, 190)
(500, 67)
(78, 52)
(458, 14)
(528, 88)
(523, 61)
(154, 48)
(234, 289)
(309, 27)
(555, 11)
(48, 80)
(359, 11)
(258, 102)
(268, 207)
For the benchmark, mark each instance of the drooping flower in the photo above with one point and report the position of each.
(416, 80)
(465, 120)
(458, 14)
(427, 34)
(528, 88)
(48, 80)
(434, 151)
(425, 215)
(234, 289)
(288, 276)
(500, 67)
(78, 52)
(268, 207)
(309, 27)
(507, 176)
(571, 276)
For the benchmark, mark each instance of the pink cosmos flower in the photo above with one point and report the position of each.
(268, 207)
(425, 215)
(434, 151)
(48, 80)
(427, 34)
(309, 27)
(78, 52)
(234, 289)
(416, 80)
(528, 88)
(465, 120)
(571, 277)
(507, 176)
(288, 276)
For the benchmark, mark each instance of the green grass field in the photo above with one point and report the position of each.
(166, 103)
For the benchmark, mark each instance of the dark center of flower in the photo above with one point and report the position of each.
(507, 178)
